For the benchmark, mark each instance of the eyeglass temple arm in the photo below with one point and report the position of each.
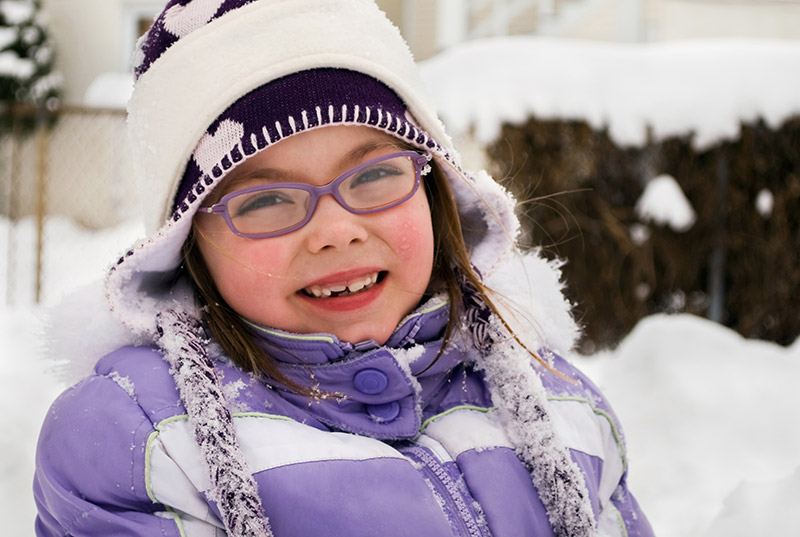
(217, 208)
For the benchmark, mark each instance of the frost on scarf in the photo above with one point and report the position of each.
(233, 487)
(522, 403)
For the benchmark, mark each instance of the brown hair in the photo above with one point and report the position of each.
(451, 266)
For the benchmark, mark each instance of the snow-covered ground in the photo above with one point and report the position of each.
(711, 419)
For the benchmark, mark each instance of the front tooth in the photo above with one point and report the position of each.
(356, 286)
(326, 292)
(338, 288)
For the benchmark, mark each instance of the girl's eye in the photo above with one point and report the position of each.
(372, 175)
(260, 202)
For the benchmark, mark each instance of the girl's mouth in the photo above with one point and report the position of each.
(343, 289)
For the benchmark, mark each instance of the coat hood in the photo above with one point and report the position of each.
(195, 67)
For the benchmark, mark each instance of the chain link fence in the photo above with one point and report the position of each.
(59, 181)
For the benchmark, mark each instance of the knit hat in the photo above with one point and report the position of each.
(289, 105)
(217, 82)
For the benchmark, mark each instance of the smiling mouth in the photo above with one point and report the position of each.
(350, 288)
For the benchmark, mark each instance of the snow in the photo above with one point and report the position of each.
(14, 66)
(17, 11)
(125, 383)
(713, 435)
(706, 87)
(709, 419)
(109, 90)
(767, 501)
(74, 257)
(8, 36)
(664, 203)
(764, 203)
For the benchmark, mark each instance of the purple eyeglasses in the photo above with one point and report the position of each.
(274, 209)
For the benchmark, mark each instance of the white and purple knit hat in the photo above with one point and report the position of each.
(287, 106)
(219, 80)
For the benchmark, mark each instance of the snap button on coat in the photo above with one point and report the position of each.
(370, 381)
(385, 412)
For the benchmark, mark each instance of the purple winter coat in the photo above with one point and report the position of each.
(116, 454)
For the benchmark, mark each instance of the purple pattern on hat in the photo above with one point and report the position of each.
(179, 19)
(287, 106)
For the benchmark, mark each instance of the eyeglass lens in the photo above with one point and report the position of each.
(361, 190)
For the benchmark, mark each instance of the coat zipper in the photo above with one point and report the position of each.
(465, 520)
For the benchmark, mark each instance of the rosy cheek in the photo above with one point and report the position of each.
(263, 253)
(412, 234)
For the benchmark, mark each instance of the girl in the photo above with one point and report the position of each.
(312, 344)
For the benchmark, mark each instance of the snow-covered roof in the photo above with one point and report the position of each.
(707, 87)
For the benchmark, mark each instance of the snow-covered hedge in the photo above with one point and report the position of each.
(667, 175)
(637, 93)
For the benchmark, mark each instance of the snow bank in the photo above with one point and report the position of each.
(761, 509)
(26, 391)
(705, 87)
(73, 256)
(706, 411)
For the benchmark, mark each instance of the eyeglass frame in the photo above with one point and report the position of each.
(421, 168)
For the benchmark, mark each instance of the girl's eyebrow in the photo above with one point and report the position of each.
(365, 149)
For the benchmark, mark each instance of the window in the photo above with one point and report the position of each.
(136, 19)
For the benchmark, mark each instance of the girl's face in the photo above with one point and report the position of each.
(273, 281)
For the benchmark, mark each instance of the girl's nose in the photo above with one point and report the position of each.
(333, 226)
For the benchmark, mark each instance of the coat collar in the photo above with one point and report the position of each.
(365, 388)
(425, 324)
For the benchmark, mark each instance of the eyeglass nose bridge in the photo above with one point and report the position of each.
(317, 193)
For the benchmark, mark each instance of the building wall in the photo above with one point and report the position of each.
(97, 36)
(94, 37)
(666, 20)
(682, 19)
(417, 20)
